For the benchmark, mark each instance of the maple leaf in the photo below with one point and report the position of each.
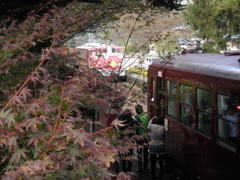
(36, 74)
(33, 78)
(31, 123)
(25, 92)
(79, 137)
(49, 127)
(32, 108)
(68, 133)
(43, 70)
(12, 141)
(117, 123)
(16, 99)
(37, 149)
(44, 118)
(18, 154)
(74, 152)
(107, 159)
(125, 176)
(66, 126)
(34, 138)
(7, 117)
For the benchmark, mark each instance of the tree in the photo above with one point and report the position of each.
(19, 9)
(214, 19)
(43, 132)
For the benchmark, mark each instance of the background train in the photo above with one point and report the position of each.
(199, 96)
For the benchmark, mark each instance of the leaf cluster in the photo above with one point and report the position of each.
(43, 131)
(214, 19)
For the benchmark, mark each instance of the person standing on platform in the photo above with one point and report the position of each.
(142, 118)
(127, 132)
(156, 145)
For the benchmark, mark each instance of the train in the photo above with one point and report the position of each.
(107, 59)
(198, 94)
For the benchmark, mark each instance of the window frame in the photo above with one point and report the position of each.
(183, 105)
(204, 115)
(173, 100)
(225, 122)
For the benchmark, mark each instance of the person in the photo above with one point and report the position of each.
(187, 116)
(231, 116)
(156, 145)
(130, 124)
(143, 142)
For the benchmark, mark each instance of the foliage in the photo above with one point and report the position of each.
(137, 71)
(44, 132)
(210, 47)
(19, 9)
(214, 19)
(167, 45)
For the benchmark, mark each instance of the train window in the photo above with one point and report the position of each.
(171, 98)
(159, 95)
(227, 119)
(104, 50)
(186, 104)
(153, 90)
(204, 111)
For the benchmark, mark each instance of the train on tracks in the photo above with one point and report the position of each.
(199, 96)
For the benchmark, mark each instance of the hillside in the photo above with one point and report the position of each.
(136, 34)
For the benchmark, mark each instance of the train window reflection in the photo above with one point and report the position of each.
(227, 119)
(171, 98)
(204, 111)
(186, 104)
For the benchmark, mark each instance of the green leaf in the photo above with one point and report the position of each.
(36, 150)
(34, 138)
(31, 123)
(13, 141)
(7, 117)
(18, 154)
(111, 132)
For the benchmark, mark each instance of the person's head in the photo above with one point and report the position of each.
(139, 109)
(126, 116)
(158, 120)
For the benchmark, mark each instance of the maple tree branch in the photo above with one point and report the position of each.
(59, 111)
(100, 131)
(28, 79)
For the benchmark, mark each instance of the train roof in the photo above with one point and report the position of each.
(219, 65)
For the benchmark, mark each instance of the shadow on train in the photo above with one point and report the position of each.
(172, 171)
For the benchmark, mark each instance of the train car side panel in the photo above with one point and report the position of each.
(197, 106)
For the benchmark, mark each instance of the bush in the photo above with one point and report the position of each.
(141, 71)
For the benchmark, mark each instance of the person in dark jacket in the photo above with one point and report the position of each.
(129, 128)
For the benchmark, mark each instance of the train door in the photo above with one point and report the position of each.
(159, 96)
(151, 97)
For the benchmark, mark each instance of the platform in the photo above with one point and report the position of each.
(172, 171)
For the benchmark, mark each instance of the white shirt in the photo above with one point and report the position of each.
(156, 134)
(232, 125)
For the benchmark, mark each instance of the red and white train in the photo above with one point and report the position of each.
(105, 58)
(199, 97)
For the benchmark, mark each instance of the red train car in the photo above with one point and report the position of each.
(199, 97)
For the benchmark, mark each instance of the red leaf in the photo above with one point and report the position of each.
(25, 92)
